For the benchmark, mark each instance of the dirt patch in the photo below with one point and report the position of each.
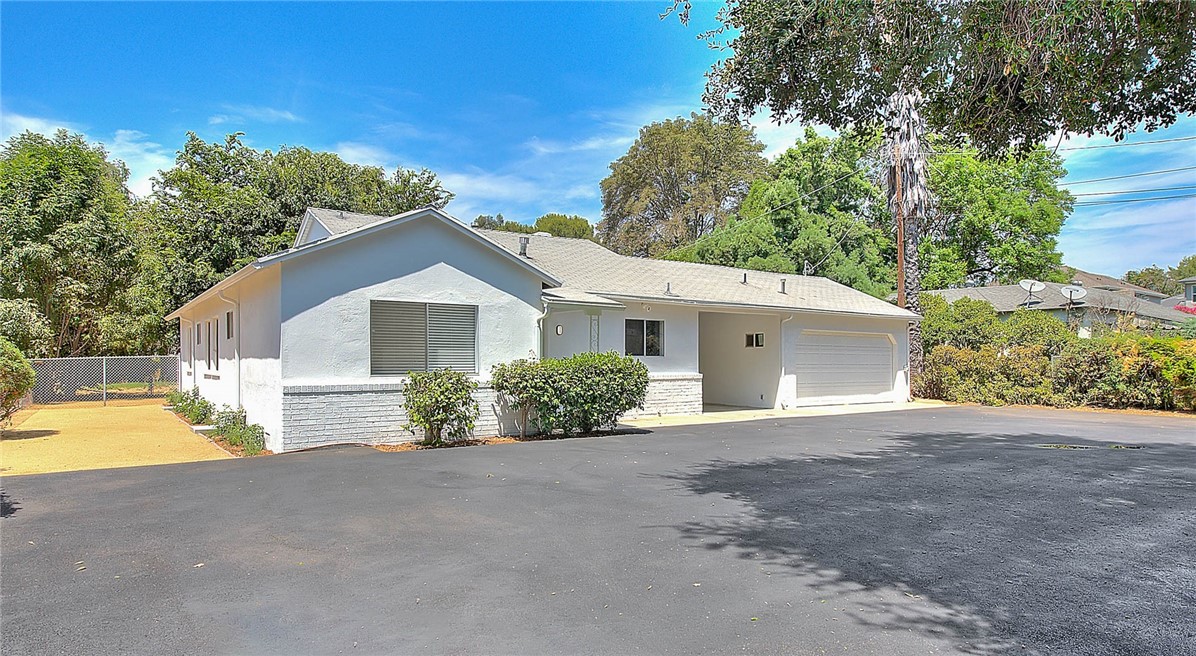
(70, 436)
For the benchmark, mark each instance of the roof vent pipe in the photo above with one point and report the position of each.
(745, 278)
(523, 246)
(782, 285)
(668, 289)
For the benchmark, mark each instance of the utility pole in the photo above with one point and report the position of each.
(900, 225)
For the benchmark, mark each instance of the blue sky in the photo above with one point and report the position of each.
(519, 108)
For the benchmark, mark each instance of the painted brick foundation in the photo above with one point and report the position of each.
(315, 415)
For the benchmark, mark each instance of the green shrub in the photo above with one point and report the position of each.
(16, 379)
(583, 392)
(523, 383)
(1026, 327)
(228, 419)
(1017, 375)
(1187, 329)
(250, 437)
(441, 403)
(601, 387)
(191, 405)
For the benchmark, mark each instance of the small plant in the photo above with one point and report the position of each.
(524, 383)
(191, 405)
(441, 403)
(250, 437)
(228, 419)
(16, 379)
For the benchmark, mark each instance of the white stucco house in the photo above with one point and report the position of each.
(314, 341)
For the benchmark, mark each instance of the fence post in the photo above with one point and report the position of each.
(104, 367)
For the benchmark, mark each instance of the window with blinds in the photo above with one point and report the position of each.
(422, 337)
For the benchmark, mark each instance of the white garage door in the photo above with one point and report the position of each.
(831, 364)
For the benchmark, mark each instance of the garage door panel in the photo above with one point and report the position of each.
(843, 364)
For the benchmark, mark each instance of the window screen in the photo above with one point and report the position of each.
(643, 337)
(422, 336)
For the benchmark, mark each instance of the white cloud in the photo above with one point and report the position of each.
(356, 152)
(596, 143)
(779, 137)
(252, 114)
(144, 158)
(14, 124)
(1117, 238)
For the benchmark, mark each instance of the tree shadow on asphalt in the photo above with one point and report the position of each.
(992, 542)
(8, 507)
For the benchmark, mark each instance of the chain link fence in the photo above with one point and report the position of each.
(62, 380)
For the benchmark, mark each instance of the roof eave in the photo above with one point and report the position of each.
(909, 316)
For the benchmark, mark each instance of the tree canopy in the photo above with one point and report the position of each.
(98, 270)
(680, 180)
(999, 73)
(1163, 281)
(556, 224)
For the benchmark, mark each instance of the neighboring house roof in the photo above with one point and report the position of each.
(1172, 301)
(586, 267)
(1101, 281)
(338, 221)
(1007, 298)
(1190, 280)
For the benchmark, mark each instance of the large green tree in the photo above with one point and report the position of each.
(225, 204)
(680, 180)
(817, 212)
(565, 225)
(999, 73)
(993, 219)
(69, 258)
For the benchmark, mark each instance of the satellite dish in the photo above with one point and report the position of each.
(1032, 286)
(1073, 292)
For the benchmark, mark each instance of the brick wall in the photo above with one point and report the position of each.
(672, 394)
(316, 415)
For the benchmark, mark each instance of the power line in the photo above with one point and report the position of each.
(803, 195)
(1135, 200)
(1123, 144)
(1129, 175)
(1134, 191)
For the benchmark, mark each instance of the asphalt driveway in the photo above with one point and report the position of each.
(934, 531)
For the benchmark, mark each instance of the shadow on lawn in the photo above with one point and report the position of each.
(997, 544)
(18, 434)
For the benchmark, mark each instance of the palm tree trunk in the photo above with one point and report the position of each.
(909, 199)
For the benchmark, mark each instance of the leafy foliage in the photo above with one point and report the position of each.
(557, 225)
(999, 73)
(16, 379)
(1163, 281)
(231, 424)
(441, 403)
(583, 392)
(1188, 328)
(994, 219)
(191, 405)
(66, 244)
(815, 212)
(25, 327)
(680, 180)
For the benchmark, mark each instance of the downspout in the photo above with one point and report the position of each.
(187, 337)
(540, 330)
(783, 342)
(236, 339)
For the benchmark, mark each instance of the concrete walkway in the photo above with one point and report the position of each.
(70, 437)
(721, 414)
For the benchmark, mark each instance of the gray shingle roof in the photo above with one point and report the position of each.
(1007, 298)
(588, 268)
(338, 221)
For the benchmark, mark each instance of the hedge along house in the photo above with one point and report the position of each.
(314, 342)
